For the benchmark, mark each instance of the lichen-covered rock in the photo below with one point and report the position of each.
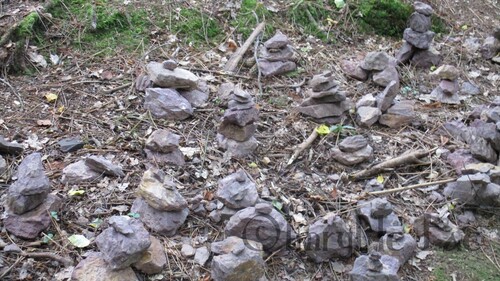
(160, 192)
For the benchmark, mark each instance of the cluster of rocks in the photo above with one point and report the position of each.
(171, 92)
(447, 90)
(237, 128)
(125, 243)
(379, 66)
(326, 103)
(276, 56)
(162, 148)
(378, 214)
(160, 206)
(352, 150)
(29, 202)
(418, 38)
(90, 169)
(437, 230)
(491, 47)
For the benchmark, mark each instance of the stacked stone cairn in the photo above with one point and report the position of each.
(418, 38)
(447, 90)
(491, 47)
(378, 214)
(276, 56)
(237, 128)
(438, 230)
(352, 150)
(171, 92)
(326, 103)
(29, 201)
(398, 244)
(375, 266)
(162, 147)
(90, 169)
(160, 206)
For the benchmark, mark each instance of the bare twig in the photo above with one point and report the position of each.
(303, 146)
(413, 186)
(222, 73)
(232, 64)
(297, 85)
(46, 255)
(110, 91)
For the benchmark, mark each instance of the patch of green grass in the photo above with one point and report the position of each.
(383, 17)
(197, 27)
(439, 25)
(310, 17)
(246, 21)
(26, 27)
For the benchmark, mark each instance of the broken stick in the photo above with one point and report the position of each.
(403, 188)
(232, 64)
(305, 144)
(408, 158)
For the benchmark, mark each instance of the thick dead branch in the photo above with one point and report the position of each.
(303, 146)
(232, 64)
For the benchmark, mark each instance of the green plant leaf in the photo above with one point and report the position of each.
(134, 215)
(47, 238)
(79, 241)
(339, 4)
(96, 223)
(323, 130)
(278, 205)
(54, 215)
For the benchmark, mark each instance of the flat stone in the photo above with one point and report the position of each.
(474, 168)
(78, 172)
(202, 255)
(459, 159)
(378, 214)
(279, 40)
(322, 82)
(419, 22)
(160, 192)
(154, 259)
(323, 97)
(376, 61)
(324, 110)
(235, 132)
(273, 68)
(236, 148)
(282, 54)
(367, 116)
(353, 70)
(398, 115)
(405, 53)
(446, 71)
(187, 250)
(94, 268)
(241, 117)
(385, 98)
(70, 144)
(366, 100)
(469, 89)
(352, 158)
(29, 225)
(142, 82)
(426, 58)
(423, 8)
(490, 48)
(353, 143)
(178, 78)
(102, 165)
(163, 141)
(167, 103)
(163, 222)
(237, 191)
(175, 158)
(196, 97)
(438, 95)
(421, 40)
(384, 77)
(121, 224)
(10, 147)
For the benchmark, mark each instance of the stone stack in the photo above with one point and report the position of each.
(382, 68)
(418, 38)
(160, 206)
(375, 267)
(378, 214)
(491, 47)
(398, 244)
(276, 56)
(352, 150)
(236, 131)
(326, 103)
(162, 147)
(28, 200)
(438, 230)
(447, 91)
(90, 169)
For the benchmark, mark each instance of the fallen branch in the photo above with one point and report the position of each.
(222, 73)
(301, 147)
(409, 158)
(403, 188)
(46, 255)
(110, 91)
(232, 64)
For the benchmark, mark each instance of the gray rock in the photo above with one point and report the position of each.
(237, 191)
(70, 144)
(405, 53)
(121, 224)
(474, 168)
(323, 97)
(196, 97)
(366, 100)
(353, 70)
(449, 87)
(94, 268)
(325, 110)
(273, 68)
(367, 116)
(282, 54)
(78, 172)
(398, 244)
(163, 222)
(225, 91)
(486, 130)
(160, 192)
(187, 250)
(352, 158)
(12, 248)
(353, 143)
(32, 186)
(374, 185)
(447, 72)
(167, 103)
(493, 114)
(142, 82)
(384, 77)
(10, 147)
(472, 44)
(235, 148)
(490, 48)
(482, 150)
(3, 166)
(241, 117)
(398, 115)
(385, 98)
(103, 166)
(279, 40)
(202, 255)
(270, 229)
(328, 238)
(29, 225)
(237, 260)
(438, 95)
(423, 8)
(378, 214)
(376, 61)
(421, 40)
(154, 259)
(322, 82)
(459, 159)
(163, 141)
(235, 132)
(469, 89)
(378, 268)
(426, 58)
(419, 22)
(178, 78)
(175, 158)
(121, 250)
(439, 230)
(169, 64)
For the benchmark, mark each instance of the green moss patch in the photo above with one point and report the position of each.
(197, 27)
(245, 21)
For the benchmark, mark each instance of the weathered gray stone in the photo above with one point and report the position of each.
(367, 100)
(459, 159)
(196, 97)
(439, 95)
(163, 141)
(423, 8)
(70, 144)
(103, 166)
(475, 189)
(419, 22)
(385, 98)
(469, 89)
(439, 230)
(486, 130)
(322, 82)
(237, 191)
(353, 143)
(78, 172)
(449, 87)
(398, 115)
(375, 267)
(167, 103)
(202, 255)
(328, 238)
(426, 58)
(490, 48)
(493, 114)
(282, 54)
(398, 244)
(177, 78)
(421, 40)
(160, 192)
(235, 132)
(405, 53)
(376, 61)
(121, 250)
(279, 40)
(325, 110)
(169, 64)
(446, 71)
(384, 77)
(94, 268)
(378, 214)
(323, 97)
(353, 70)
(352, 158)
(142, 82)
(10, 147)
(235, 148)
(187, 250)
(241, 117)
(272, 68)
(482, 150)
(163, 222)
(3, 166)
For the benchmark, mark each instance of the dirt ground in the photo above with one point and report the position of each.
(114, 123)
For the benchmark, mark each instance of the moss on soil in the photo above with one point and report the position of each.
(246, 20)
(197, 27)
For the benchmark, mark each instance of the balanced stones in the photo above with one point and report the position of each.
(378, 214)
(276, 56)
(162, 147)
(352, 150)
(447, 90)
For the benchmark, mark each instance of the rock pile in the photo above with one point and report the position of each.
(418, 38)
(381, 67)
(94, 267)
(375, 267)
(398, 244)
(276, 56)
(491, 47)
(28, 200)
(162, 148)
(326, 103)
(447, 91)
(237, 128)
(352, 150)
(90, 169)
(439, 230)
(378, 214)
(160, 206)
